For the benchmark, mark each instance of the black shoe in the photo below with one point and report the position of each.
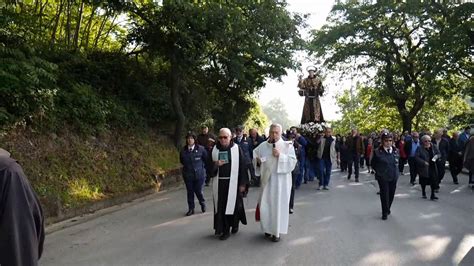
(224, 236)
(267, 235)
(357, 180)
(275, 239)
(190, 212)
(412, 183)
(388, 213)
(291, 211)
(424, 196)
(433, 197)
(348, 177)
(378, 192)
(234, 230)
(384, 217)
(203, 208)
(305, 182)
(456, 182)
(436, 190)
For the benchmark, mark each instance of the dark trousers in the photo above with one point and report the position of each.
(362, 160)
(325, 166)
(471, 177)
(441, 165)
(387, 193)
(343, 165)
(401, 164)
(194, 187)
(433, 188)
(412, 165)
(292, 195)
(309, 170)
(353, 160)
(455, 167)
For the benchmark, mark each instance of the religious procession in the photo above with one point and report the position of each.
(280, 163)
(261, 132)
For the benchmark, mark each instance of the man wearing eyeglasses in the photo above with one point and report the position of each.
(230, 180)
(385, 163)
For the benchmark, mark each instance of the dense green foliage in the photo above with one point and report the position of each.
(92, 66)
(129, 73)
(370, 112)
(415, 53)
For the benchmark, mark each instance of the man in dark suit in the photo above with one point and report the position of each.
(385, 163)
(410, 148)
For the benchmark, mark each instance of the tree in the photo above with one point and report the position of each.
(370, 111)
(224, 51)
(276, 113)
(414, 52)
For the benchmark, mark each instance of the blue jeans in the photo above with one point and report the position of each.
(318, 169)
(299, 178)
(325, 166)
(309, 170)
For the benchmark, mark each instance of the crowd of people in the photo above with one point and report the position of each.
(293, 159)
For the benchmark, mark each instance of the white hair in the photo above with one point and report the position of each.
(226, 131)
(276, 125)
(425, 137)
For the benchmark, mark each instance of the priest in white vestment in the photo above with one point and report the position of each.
(274, 160)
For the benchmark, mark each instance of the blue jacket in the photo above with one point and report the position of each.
(194, 162)
(244, 145)
(303, 142)
(385, 164)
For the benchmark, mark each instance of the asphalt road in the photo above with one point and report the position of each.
(341, 226)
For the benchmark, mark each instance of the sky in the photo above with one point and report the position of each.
(287, 90)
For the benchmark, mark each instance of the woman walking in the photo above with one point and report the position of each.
(425, 157)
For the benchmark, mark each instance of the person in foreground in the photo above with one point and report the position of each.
(274, 161)
(21, 216)
(230, 180)
(385, 163)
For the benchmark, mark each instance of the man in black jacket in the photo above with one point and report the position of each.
(385, 164)
(443, 146)
(21, 216)
(456, 149)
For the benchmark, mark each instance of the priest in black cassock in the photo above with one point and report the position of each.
(230, 179)
(21, 216)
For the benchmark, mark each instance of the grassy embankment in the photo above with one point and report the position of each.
(69, 171)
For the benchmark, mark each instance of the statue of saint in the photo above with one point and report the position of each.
(311, 88)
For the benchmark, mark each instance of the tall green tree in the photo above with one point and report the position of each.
(370, 111)
(277, 113)
(414, 52)
(224, 50)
